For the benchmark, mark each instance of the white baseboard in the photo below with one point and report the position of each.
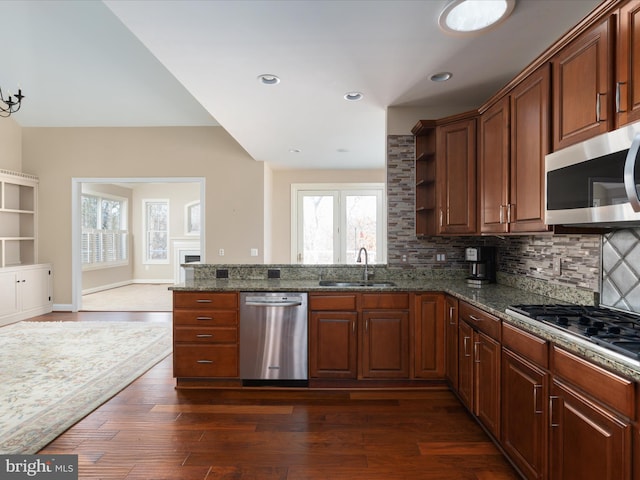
(125, 283)
(154, 281)
(62, 307)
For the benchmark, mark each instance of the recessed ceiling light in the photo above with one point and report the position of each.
(353, 96)
(473, 16)
(441, 77)
(294, 150)
(268, 79)
(342, 150)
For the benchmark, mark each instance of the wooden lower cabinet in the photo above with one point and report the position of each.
(205, 335)
(487, 382)
(385, 344)
(465, 364)
(587, 441)
(429, 329)
(451, 340)
(333, 349)
(525, 390)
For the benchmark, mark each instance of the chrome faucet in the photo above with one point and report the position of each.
(366, 262)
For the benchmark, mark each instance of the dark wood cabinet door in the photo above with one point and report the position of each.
(582, 75)
(333, 345)
(525, 390)
(429, 336)
(530, 111)
(451, 340)
(494, 168)
(587, 442)
(385, 344)
(465, 364)
(628, 64)
(487, 382)
(456, 153)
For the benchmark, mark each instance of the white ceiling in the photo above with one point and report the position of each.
(186, 63)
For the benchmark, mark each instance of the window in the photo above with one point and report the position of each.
(332, 222)
(104, 231)
(156, 231)
(192, 218)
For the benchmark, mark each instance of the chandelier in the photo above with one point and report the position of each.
(11, 103)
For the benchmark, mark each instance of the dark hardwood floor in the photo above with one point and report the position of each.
(150, 430)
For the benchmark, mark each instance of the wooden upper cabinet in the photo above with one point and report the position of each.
(582, 79)
(494, 168)
(627, 95)
(456, 167)
(530, 132)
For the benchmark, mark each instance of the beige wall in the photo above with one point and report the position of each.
(281, 200)
(11, 141)
(234, 183)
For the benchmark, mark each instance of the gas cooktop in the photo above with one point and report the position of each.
(612, 329)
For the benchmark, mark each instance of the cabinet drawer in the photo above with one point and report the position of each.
(480, 319)
(205, 300)
(526, 344)
(610, 389)
(333, 302)
(205, 335)
(395, 301)
(205, 361)
(205, 318)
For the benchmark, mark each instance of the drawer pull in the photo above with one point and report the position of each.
(474, 318)
(204, 318)
(205, 361)
(203, 300)
(204, 335)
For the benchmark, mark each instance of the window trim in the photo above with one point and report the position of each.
(145, 253)
(341, 188)
(187, 223)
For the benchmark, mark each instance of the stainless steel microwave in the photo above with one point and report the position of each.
(596, 182)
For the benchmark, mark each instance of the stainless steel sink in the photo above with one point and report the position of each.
(347, 284)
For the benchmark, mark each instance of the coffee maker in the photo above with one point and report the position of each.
(482, 265)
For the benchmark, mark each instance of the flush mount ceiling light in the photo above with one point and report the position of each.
(441, 77)
(473, 16)
(353, 96)
(268, 79)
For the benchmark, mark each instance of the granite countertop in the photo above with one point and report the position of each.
(493, 298)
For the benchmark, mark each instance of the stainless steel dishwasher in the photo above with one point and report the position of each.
(273, 338)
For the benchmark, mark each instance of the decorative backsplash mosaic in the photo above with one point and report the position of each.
(621, 270)
(522, 258)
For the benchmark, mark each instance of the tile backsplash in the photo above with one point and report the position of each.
(621, 270)
(528, 260)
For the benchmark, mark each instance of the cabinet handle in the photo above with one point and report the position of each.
(366, 326)
(204, 318)
(598, 107)
(204, 361)
(203, 300)
(474, 318)
(204, 335)
(618, 97)
(464, 345)
(509, 212)
(441, 218)
(476, 352)
(501, 214)
(551, 399)
(536, 410)
(353, 327)
(451, 321)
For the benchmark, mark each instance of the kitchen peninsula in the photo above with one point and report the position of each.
(530, 386)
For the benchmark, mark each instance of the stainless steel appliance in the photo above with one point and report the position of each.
(596, 181)
(612, 330)
(482, 262)
(273, 338)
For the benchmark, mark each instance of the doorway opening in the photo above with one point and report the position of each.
(158, 225)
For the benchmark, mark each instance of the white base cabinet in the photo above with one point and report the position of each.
(25, 292)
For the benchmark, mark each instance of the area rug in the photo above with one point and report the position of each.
(52, 374)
